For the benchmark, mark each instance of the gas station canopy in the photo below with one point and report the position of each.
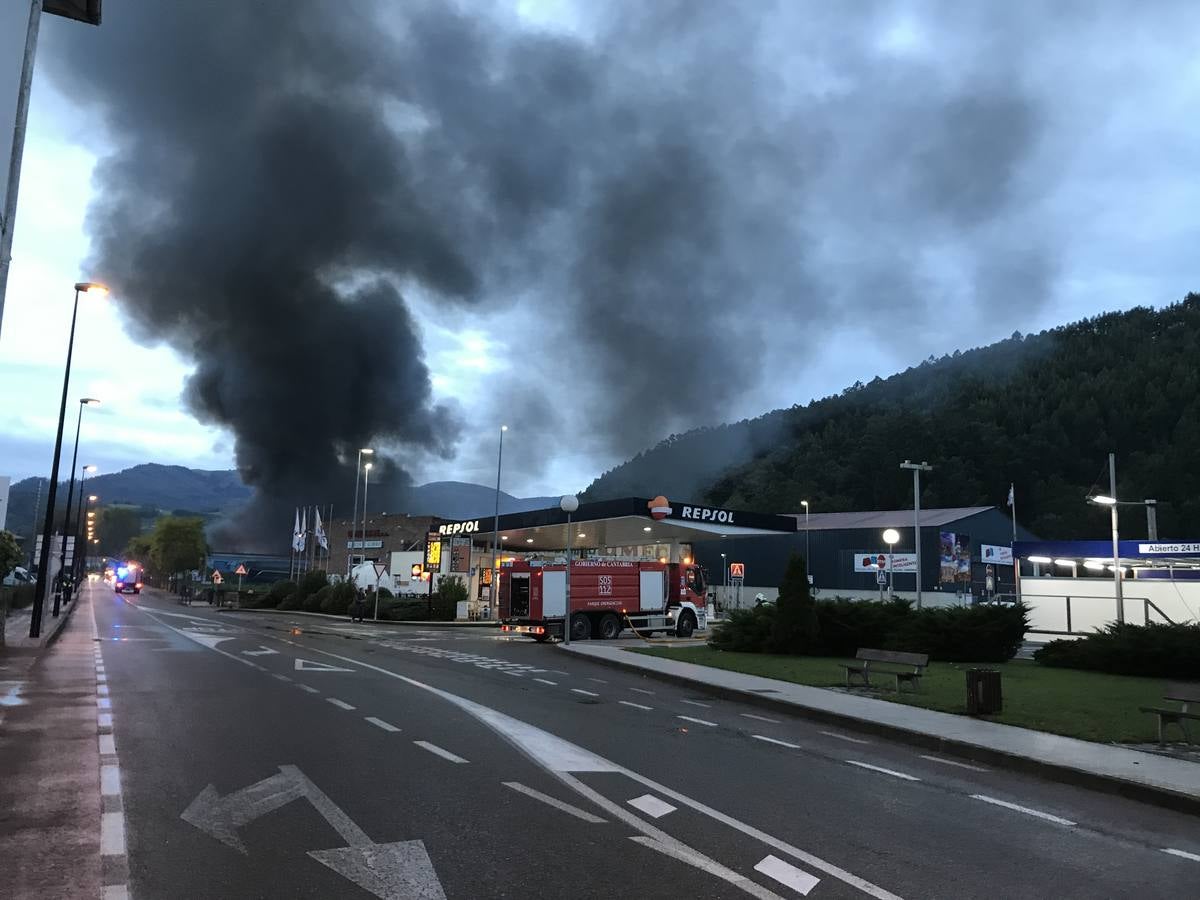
(630, 521)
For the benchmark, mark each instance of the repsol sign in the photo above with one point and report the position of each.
(706, 514)
(469, 527)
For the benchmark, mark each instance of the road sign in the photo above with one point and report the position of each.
(241, 569)
(216, 577)
(737, 570)
(881, 577)
(380, 570)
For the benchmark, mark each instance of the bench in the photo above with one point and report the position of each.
(916, 663)
(1183, 694)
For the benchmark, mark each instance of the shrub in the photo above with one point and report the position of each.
(745, 629)
(795, 629)
(315, 602)
(337, 601)
(451, 590)
(283, 595)
(991, 633)
(847, 625)
(1154, 650)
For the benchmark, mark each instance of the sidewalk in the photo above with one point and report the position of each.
(1142, 776)
(16, 625)
(50, 802)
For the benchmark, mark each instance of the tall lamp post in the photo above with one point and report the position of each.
(35, 617)
(366, 484)
(917, 469)
(494, 599)
(62, 556)
(807, 544)
(1110, 500)
(890, 537)
(568, 504)
(354, 518)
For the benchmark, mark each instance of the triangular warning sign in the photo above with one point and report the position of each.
(307, 665)
(216, 577)
(240, 570)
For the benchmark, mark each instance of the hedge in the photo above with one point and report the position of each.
(1154, 650)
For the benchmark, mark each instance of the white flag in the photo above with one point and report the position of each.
(318, 531)
(297, 534)
(1010, 495)
(303, 529)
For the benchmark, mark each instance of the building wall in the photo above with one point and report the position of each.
(385, 535)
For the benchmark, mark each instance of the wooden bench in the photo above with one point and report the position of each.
(865, 657)
(1183, 694)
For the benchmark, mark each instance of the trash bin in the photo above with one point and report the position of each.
(983, 692)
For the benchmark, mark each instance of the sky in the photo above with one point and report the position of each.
(630, 223)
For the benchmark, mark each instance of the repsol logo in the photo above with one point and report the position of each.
(705, 514)
(459, 527)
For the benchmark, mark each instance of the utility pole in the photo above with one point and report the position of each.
(1116, 539)
(1152, 519)
(917, 469)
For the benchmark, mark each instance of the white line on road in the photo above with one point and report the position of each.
(642, 691)
(305, 687)
(951, 762)
(101, 677)
(103, 703)
(552, 801)
(769, 740)
(1024, 809)
(697, 703)
(545, 681)
(280, 676)
(651, 806)
(1183, 853)
(340, 704)
(598, 680)
(634, 705)
(843, 737)
(863, 765)
(698, 721)
(108, 746)
(115, 892)
(435, 749)
(104, 720)
(102, 690)
(785, 873)
(379, 723)
(112, 834)
(585, 693)
(759, 718)
(513, 674)
(110, 780)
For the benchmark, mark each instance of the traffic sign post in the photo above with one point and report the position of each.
(239, 572)
(737, 570)
(216, 577)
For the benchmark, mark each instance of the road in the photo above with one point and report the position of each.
(358, 761)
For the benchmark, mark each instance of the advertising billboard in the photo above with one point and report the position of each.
(955, 556)
(995, 554)
(868, 561)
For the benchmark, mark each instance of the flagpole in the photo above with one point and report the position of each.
(1012, 504)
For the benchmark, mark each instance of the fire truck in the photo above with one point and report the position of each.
(607, 596)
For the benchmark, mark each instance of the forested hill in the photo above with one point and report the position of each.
(1041, 411)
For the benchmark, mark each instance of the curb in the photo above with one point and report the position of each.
(328, 616)
(1145, 793)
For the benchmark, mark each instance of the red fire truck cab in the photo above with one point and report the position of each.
(607, 596)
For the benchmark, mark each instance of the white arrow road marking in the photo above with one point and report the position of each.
(1181, 853)
(651, 806)
(399, 869)
(261, 651)
(307, 665)
(785, 873)
(208, 640)
(552, 801)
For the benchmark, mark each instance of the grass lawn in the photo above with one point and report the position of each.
(1088, 705)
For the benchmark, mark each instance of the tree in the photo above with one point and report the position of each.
(10, 553)
(116, 526)
(795, 629)
(137, 549)
(177, 544)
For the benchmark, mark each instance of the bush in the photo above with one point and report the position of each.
(847, 625)
(795, 629)
(283, 595)
(991, 633)
(313, 581)
(451, 591)
(1154, 650)
(337, 601)
(315, 602)
(745, 629)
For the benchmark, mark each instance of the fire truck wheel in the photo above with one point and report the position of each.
(610, 627)
(541, 638)
(687, 624)
(581, 627)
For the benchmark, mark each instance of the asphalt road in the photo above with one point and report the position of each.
(356, 761)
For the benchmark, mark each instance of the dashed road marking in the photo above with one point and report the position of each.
(340, 704)
(1183, 853)
(642, 691)
(892, 772)
(379, 723)
(585, 693)
(103, 703)
(110, 780)
(1037, 813)
(438, 751)
(698, 721)
(102, 690)
(785, 873)
(634, 705)
(697, 703)
(112, 834)
(598, 680)
(759, 718)
(844, 737)
(952, 762)
(108, 746)
(512, 673)
(770, 740)
(651, 806)
(546, 681)
(280, 676)
(305, 687)
(553, 801)
(104, 721)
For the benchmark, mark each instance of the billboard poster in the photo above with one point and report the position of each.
(433, 553)
(995, 554)
(955, 557)
(868, 561)
(460, 555)
(962, 553)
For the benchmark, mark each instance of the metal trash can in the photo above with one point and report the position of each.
(983, 692)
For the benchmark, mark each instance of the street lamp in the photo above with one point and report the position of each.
(724, 582)
(807, 552)
(62, 557)
(35, 618)
(367, 451)
(917, 469)
(366, 483)
(84, 501)
(1110, 500)
(494, 597)
(890, 537)
(75, 560)
(568, 504)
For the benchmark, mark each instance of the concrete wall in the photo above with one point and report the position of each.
(1094, 605)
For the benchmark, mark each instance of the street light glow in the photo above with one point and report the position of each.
(89, 401)
(91, 287)
(891, 536)
(89, 468)
(92, 498)
(504, 428)
(367, 450)
(1104, 500)
(368, 466)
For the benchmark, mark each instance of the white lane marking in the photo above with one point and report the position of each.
(514, 674)
(103, 703)
(1058, 820)
(307, 665)
(598, 680)
(770, 740)
(697, 703)
(101, 677)
(280, 676)
(112, 834)
(110, 780)
(642, 691)
(546, 681)
(552, 801)
(893, 772)
(340, 704)
(435, 749)
(261, 651)
(692, 857)
(787, 874)
(104, 720)
(952, 762)
(585, 693)
(651, 806)
(698, 721)
(115, 892)
(759, 718)
(634, 705)
(108, 746)
(560, 757)
(102, 690)
(305, 687)
(1182, 853)
(379, 723)
(844, 737)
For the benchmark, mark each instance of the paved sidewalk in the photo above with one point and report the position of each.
(16, 625)
(1143, 776)
(50, 802)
